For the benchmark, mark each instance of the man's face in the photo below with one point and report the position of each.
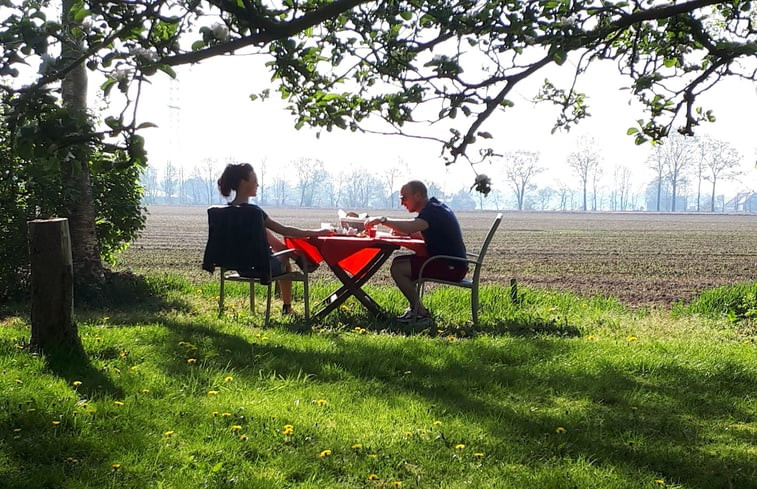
(409, 199)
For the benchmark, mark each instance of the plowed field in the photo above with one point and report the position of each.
(643, 259)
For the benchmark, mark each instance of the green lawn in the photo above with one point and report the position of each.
(556, 392)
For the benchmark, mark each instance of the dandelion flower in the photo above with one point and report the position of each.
(212, 393)
(372, 477)
(168, 433)
(478, 455)
(591, 337)
(357, 446)
(225, 415)
(56, 423)
(321, 402)
(459, 446)
(243, 437)
(631, 338)
(228, 378)
(236, 427)
(437, 423)
(396, 484)
(76, 383)
(191, 360)
(118, 403)
(660, 482)
(214, 413)
(145, 391)
(560, 430)
(325, 453)
(19, 381)
(116, 466)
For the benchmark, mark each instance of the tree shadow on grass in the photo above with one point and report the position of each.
(522, 391)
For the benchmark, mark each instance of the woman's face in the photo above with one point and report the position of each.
(249, 187)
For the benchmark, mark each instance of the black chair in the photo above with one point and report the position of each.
(237, 244)
(476, 259)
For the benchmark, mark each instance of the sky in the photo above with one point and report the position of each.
(213, 117)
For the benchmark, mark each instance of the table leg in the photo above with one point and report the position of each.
(352, 286)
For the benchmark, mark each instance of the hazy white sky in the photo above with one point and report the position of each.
(216, 119)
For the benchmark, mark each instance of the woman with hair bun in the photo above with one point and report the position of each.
(241, 179)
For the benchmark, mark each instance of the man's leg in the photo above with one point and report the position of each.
(401, 270)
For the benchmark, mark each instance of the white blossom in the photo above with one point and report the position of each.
(220, 31)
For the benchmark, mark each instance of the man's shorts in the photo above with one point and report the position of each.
(441, 268)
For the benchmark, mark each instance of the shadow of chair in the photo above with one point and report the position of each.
(237, 244)
(475, 259)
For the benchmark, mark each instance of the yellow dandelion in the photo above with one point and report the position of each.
(560, 430)
(236, 427)
(56, 423)
(408, 434)
(288, 432)
(243, 437)
(19, 381)
(396, 484)
(118, 403)
(631, 338)
(372, 455)
(191, 360)
(145, 391)
(591, 337)
(76, 383)
(123, 354)
(459, 446)
(325, 453)
(225, 415)
(356, 446)
(478, 455)
(437, 423)
(98, 339)
(116, 466)
(134, 368)
(321, 402)
(660, 482)
(214, 413)
(212, 393)
(168, 433)
(228, 378)
(372, 477)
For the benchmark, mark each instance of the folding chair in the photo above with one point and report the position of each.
(237, 244)
(476, 259)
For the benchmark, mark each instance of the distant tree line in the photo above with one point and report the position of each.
(687, 172)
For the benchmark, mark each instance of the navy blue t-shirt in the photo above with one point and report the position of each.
(443, 235)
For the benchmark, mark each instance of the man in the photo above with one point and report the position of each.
(438, 226)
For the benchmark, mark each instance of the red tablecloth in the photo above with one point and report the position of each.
(350, 253)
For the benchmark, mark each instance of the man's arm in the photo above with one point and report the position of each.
(411, 227)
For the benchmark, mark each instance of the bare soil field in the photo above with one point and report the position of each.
(643, 259)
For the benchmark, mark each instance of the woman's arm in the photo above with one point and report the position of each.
(294, 232)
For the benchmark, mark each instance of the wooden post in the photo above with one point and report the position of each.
(52, 285)
(513, 290)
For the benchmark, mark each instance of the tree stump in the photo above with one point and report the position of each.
(52, 285)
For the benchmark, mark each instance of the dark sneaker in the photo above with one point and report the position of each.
(405, 316)
(412, 318)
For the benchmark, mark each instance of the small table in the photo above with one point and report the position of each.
(354, 260)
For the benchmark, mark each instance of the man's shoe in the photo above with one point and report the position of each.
(411, 317)
(405, 316)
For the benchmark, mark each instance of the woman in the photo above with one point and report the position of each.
(241, 179)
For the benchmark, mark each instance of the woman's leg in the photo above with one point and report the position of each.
(285, 286)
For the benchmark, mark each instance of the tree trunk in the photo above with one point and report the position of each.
(52, 301)
(87, 265)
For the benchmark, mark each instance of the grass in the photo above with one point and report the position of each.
(555, 391)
